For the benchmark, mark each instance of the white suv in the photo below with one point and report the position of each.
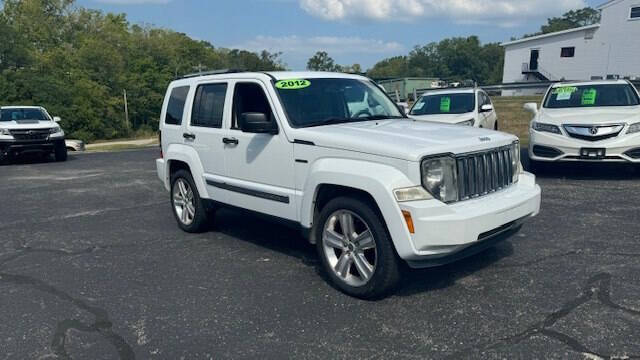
(26, 129)
(332, 154)
(586, 121)
(469, 107)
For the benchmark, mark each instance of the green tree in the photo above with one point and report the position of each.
(570, 20)
(321, 61)
(389, 68)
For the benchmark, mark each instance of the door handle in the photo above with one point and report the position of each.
(189, 136)
(230, 141)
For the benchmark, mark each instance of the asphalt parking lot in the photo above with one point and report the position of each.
(93, 266)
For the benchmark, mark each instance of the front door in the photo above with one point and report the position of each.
(260, 166)
(533, 62)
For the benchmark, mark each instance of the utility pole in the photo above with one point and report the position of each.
(126, 109)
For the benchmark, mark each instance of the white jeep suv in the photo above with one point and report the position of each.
(368, 186)
(26, 129)
(469, 107)
(586, 121)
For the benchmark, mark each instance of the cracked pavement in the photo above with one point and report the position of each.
(93, 266)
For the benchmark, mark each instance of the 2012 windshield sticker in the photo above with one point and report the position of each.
(445, 104)
(589, 97)
(293, 84)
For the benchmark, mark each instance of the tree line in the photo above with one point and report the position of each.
(78, 62)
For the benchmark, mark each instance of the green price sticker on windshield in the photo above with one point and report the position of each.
(293, 84)
(589, 97)
(445, 104)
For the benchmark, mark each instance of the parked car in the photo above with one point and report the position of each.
(26, 129)
(75, 145)
(371, 189)
(469, 107)
(586, 121)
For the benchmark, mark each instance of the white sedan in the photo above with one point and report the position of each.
(586, 121)
(468, 107)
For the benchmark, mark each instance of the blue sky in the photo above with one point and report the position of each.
(351, 31)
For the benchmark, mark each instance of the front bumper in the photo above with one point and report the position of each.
(15, 147)
(556, 147)
(445, 232)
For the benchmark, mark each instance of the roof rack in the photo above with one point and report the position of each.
(212, 72)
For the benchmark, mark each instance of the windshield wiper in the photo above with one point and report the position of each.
(334, 121)
(381, 117)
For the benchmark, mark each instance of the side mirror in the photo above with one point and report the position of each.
(486, 108)
(257, 123)
(531, 107)
(57, 119)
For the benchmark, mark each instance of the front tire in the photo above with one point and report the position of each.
(355, 249)
(189, 209)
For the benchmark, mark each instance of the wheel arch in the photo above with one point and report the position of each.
(344, 177)
(180, 157)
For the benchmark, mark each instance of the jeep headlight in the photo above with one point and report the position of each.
(542, 127)
(467, 123)
(515, 161)
(634, 128)
(439, 177)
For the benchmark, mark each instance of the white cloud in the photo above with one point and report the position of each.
(501, 12)
(332, 44)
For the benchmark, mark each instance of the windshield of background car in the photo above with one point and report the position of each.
(591, 96)
(441, 104)
(316, 102)
(22, 114)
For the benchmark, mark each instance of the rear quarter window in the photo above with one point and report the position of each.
(175, 107)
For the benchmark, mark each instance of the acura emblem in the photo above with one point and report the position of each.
(593, 131)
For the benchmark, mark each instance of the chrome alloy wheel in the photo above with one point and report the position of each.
(349, 248)
(183, 202)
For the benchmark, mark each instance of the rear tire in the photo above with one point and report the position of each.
(189, 209)
(360, 262)
(61, 153)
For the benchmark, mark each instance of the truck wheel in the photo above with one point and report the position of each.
(355, 249)
(188, 208)
(60, 153)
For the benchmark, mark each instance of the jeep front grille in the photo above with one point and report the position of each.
(483, 173)
(28, 134)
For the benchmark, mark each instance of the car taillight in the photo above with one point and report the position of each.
(160, 143)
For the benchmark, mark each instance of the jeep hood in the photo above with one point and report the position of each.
(591, 116)
(445, 118)
(404, 138)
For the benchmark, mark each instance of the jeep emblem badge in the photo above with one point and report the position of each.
(484, 139)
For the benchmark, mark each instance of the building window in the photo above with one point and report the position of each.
(568, 52)
(635, 12)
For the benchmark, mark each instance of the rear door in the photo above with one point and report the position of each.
(205, 130)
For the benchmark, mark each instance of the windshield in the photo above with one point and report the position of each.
(19, 114)
(445, 104)
(591, 96)
(316, 102)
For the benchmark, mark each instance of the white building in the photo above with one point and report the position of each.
(610, 49)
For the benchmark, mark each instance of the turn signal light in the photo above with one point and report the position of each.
(409, 221)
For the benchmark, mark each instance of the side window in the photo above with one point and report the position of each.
(175, 108)
(249, 98)
(208, 105)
